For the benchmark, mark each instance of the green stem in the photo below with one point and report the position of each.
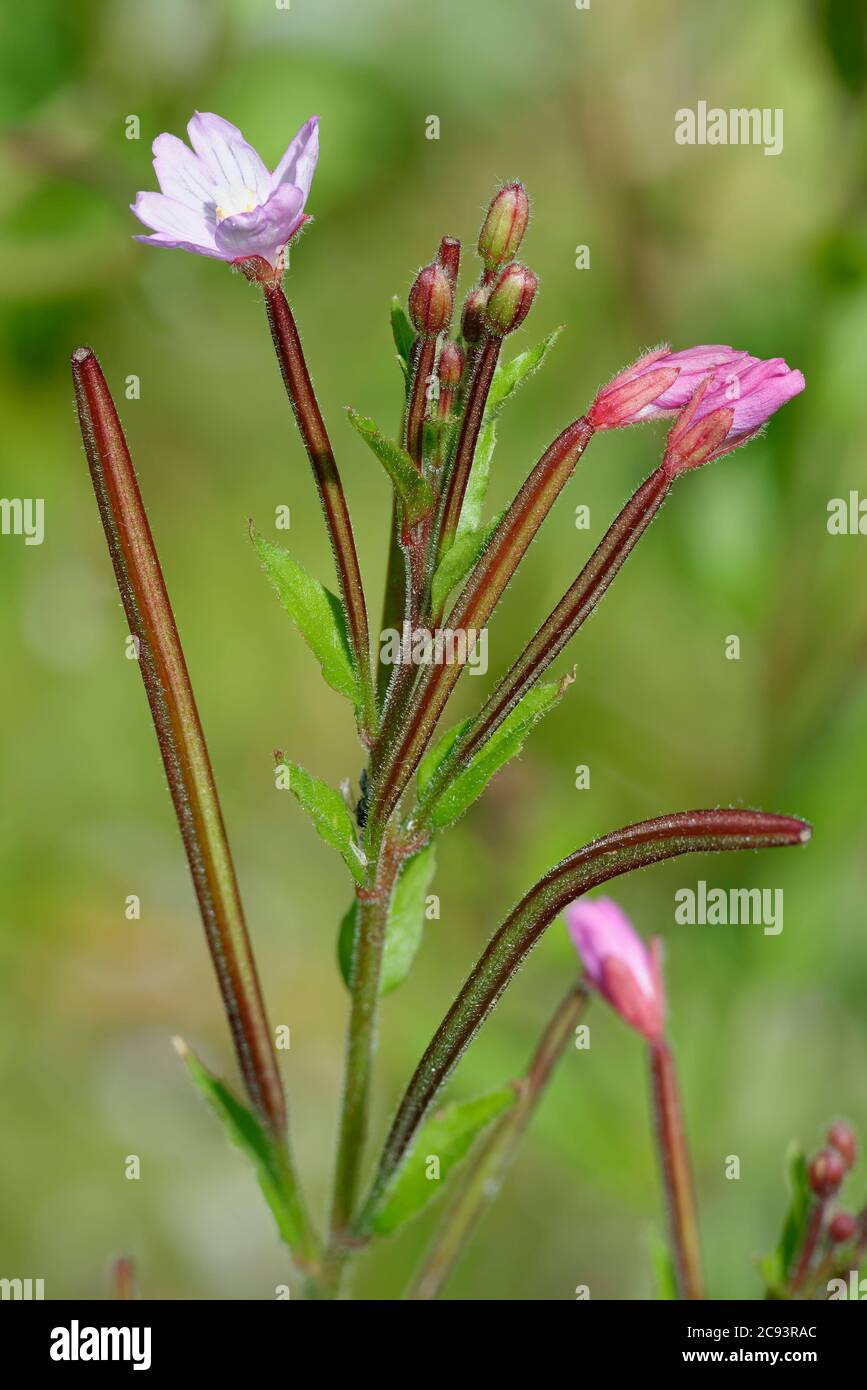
(676, 1173)
(481, 1182)
(371, 921)
(633, 847)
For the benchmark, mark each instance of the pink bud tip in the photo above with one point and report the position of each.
(431, 301)
(618, 964)
(842, 1138)
(826, 1172)
(842, 1227)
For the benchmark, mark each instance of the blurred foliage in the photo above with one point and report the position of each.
(686, 244)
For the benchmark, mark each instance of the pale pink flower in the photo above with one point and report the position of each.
(219, 200)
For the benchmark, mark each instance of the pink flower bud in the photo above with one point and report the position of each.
(450, 367)
(618, 963)
(842, 1138)
(727, 409)
(826, 1172)
(473, 317)
(659, 384)
(504, 226)
(431, 301)
(510, 299)
(842, 1227)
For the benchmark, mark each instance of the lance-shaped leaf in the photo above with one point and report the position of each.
(505, 743)
(328, 812)
(403, 333)
(316, 612)
(634, 847)
(776, 1267)
(457, 562)
(509, 376)
(447, 1138)
(477, 487)
(244, 1131)
(413, 490)
(405, 928)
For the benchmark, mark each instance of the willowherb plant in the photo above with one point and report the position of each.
(447, 570)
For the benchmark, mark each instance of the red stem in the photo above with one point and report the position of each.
(182, 743)
(676, 1174)
(299, 387)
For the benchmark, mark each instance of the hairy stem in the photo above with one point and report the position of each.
(184, 752)
(475, 604)
(676, 1173)
(483, 1177)
(458, 474)
(423, 359)
(371, 921)
(634, 847)
(299, 387)
(556, 631)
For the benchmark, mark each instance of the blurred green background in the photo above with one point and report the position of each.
(686, 244)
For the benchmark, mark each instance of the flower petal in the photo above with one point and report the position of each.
(162, 239)
(299, 162)
(175, 219)
(183, 176)
(266, 229)
(231, 162)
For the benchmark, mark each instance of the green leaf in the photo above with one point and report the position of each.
(316, 612)
(406, 919)
(403, 933)
(776, 1266)
(458, 561)
(665, 1276)
(403, 333)
(431, 761)
(447, 1137)
(509, 376)
(503, 744)
(477, 485)
(244, 1131)
(329, 813)
(413, 490)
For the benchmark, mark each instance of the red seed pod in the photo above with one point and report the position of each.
(431, 301)
(842, 1227)
(510, 300)
(842, 1138)
(826, 1172)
